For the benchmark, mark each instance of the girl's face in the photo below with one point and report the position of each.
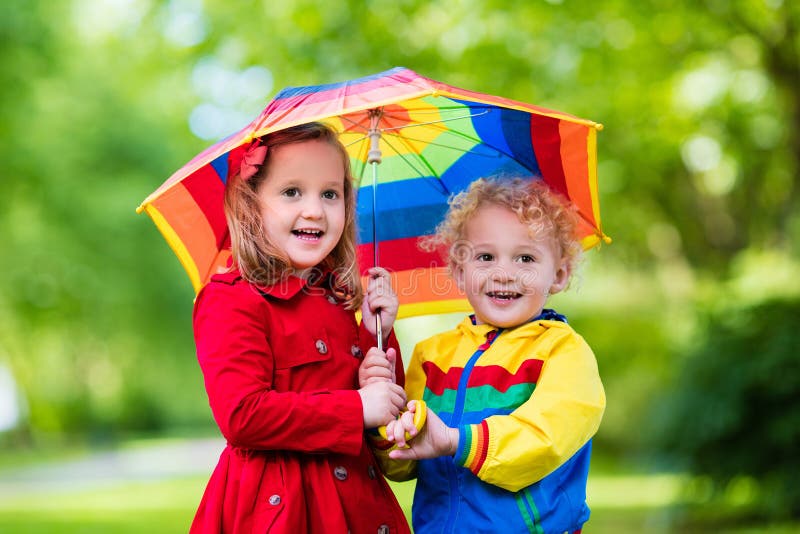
(302, 201)
(507, 274)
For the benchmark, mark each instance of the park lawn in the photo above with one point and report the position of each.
(621, 504)
(152, 507)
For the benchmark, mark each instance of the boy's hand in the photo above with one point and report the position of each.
(381, 402)
(434, 440)
(379, 298)
(377, 367)
(407, 426)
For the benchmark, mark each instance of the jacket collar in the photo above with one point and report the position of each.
(547, 319)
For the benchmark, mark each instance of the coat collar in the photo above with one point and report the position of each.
(283, 289)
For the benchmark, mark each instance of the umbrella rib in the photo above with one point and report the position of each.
(462, 135)
(351, 122)
(401, 156)
(363, 152)
(412, 151)
(414, 125)
(437, 179)
(392, 131)
(359, 140)
(446, 130)
(449, 147)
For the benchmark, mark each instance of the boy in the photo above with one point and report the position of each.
(513, 393)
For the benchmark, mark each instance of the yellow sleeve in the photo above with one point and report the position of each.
(400, 470)
(516, 450)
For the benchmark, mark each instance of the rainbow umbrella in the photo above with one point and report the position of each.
(429, 140)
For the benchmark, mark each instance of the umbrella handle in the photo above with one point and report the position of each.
(379, 330)
(374, 159)
(420, 416)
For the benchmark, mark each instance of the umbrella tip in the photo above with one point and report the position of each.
(598, 126)
(607, 239)
(140, 209)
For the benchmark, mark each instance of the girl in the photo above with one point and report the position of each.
(279, 347)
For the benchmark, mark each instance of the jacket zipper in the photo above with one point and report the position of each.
(455, 420)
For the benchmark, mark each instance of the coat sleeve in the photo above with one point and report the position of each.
(516, 450)
(237, 364)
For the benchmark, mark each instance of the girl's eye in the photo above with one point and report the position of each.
(291, 192)
(525, 258)
(330, 195)
(484, 257)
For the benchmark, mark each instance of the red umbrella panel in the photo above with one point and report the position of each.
(413, 143)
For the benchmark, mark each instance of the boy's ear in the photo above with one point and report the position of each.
(458, 276)
(561, 278)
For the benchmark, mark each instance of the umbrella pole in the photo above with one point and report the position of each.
(374, 158)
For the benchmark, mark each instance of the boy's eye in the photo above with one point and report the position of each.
(526, 258)
(484, 257)
(291, 192)
(330, 195)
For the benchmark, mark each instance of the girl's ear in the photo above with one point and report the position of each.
(561, 278)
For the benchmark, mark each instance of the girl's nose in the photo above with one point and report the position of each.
(312, 208)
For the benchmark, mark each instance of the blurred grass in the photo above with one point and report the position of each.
(156, 507)
(621, 503)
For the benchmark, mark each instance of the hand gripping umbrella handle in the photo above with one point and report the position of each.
(379, 330)
(420, 416)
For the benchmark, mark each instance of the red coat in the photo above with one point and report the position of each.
(280, 366)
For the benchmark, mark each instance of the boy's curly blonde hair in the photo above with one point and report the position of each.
(544, 211)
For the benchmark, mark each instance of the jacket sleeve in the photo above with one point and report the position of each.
(237, 364)
(379, 446)
(399, 470)
(516, 450)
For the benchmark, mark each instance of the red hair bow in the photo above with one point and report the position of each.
(253, 158)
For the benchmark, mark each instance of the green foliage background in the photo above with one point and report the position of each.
(698, 179)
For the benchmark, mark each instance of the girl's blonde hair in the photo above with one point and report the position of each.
(259, 260)
(542, 210)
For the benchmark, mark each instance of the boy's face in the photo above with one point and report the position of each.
(507, 274)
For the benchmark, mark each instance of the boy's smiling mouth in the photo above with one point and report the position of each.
(503, 295)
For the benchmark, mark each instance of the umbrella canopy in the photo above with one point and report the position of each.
(424, 141)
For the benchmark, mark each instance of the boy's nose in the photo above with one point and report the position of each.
(501, 274)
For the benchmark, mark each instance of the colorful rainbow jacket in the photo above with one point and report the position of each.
(526, 403)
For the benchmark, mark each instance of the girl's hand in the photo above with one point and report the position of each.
(434, 440)
(377, 367)
(381, 402)
(379, 298)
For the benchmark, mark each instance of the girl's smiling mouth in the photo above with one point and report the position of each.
(308, 234)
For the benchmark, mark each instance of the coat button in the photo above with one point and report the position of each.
(355, 350)
(340, 472)
(322, 348)
(275, 500)
(371, 472)
(331, 299)
(383, 529)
